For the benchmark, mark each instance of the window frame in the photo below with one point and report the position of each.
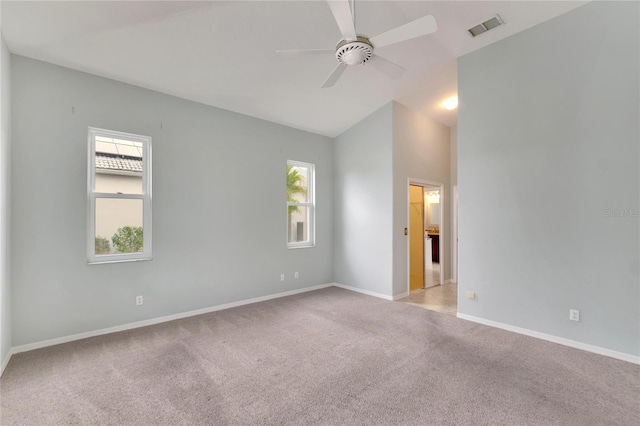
(92, 195)
(310, 204)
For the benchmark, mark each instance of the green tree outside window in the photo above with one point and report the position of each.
(295, 185)
(128, 239)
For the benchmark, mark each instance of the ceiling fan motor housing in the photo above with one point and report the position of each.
(354, 52)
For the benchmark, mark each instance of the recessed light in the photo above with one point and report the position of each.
(450, 103)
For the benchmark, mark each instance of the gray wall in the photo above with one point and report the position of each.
(5, 188)
(548, 143)
(363, 204)
(219, 212)
(373, 161)
(420, 151)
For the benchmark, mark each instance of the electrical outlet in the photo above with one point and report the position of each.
(281, 277)
(574, 315)
(295, 275)
(139, 300)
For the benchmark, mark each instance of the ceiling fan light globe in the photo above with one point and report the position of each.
(354, 57)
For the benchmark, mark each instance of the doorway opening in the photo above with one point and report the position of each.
(419, 253)
(428, 235)
(434, 274)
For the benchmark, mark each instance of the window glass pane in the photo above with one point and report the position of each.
(118, 226)
(118, 166)
(118, 184)
(298, 224)
(297, 184)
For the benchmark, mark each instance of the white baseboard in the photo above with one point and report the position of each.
(449, 281)
(145, 323)
(555, 339)
(567, 342)
(5, 361)
(363, 291)
(401, 295)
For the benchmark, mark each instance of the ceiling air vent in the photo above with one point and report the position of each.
(487, 25)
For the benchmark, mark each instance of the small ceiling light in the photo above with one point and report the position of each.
(451, 103)
(432, 197)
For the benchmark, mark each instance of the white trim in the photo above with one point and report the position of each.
(401, 295)
(5, 362)
(310, 205)
(145, 196)
(566, 342)
(441, 232)
(363, 291)
(555, 339)
(454, 234)
(118, 196)
(450, 281)
(153, 321)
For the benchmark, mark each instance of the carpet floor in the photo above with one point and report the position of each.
(327, 357)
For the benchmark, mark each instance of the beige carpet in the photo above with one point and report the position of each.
(329, 357)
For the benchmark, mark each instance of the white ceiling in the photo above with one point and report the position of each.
(221, 53)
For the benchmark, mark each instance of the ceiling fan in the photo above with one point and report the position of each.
(356, 49)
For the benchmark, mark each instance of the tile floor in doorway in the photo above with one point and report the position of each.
(440, 298)
(432, 275)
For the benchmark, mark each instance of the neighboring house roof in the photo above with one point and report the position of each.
(122, 163)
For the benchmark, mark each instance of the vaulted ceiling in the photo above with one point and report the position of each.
(222, 53)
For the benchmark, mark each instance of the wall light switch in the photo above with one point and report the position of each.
(470, 295)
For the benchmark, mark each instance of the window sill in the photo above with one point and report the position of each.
(101, 262)
(290, 247)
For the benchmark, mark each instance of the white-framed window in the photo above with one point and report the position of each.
(119, 197)
(300, 204)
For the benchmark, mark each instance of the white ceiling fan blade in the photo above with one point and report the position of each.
(304, 52)
(342, 14)
(387, 67)
(334, 76)
(419, 27)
